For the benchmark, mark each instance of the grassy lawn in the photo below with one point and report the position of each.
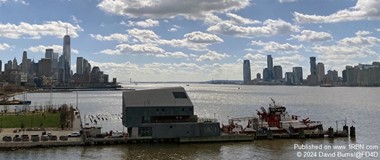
(51, 120)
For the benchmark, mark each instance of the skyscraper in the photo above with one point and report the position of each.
(277, 72)
(44, 67)
(80, 65)
(313, 66)
(1, 66)
(321, 72)
(246, 72)
(24, 65)
(66, 57)
(49, 53)
(270, 67)
(14, 64)
(298, 77)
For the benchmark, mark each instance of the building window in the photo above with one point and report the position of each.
(180, 95)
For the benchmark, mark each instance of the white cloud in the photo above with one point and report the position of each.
(240, 20)
(212, 56)
(173, 55)
(165, 71)
(378, 29)
(75, 19)
(348, 50)
(313, 36)
(36, 31)
(277, 47)
(359, 41)
(143, 35)
(42, 49)
(195, 40)
(286, 1)
(16, 1)
(4, 46)
(194, 9)
(200, 37)
(146, 49)
(363, 10)
(113, 37)
(135, 49)
(270, 27)
(212, 19)
(145, 24)
(172, 29)
(362, 33)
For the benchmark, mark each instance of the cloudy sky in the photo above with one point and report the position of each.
(193, 40)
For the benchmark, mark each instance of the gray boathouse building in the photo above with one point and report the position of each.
(164, 113)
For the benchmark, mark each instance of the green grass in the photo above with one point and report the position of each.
(30, 120)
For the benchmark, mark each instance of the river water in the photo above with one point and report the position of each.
(360, 106)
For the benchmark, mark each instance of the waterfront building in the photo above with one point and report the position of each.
(270, 67)
(266, 75)
(246, 72)
(350, 76)
(320, 72)
(165, 113)
(80, 65)
(289, 78)
(298, 75)
(333, 75)
(277, 72)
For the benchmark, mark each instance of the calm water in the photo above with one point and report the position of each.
(222, 102)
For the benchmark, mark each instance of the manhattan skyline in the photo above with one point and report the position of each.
(194, 40)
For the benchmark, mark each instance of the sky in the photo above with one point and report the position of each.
(193, 40)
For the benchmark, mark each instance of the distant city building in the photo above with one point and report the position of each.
(350, 76)
(266, 75)
(246, 72)
(332, 75)
(364, 74)
(270, 67)
(44, 67)
(15, 64)
(313, 66)
(79, 65)
(289, 78)
(298, 75)
(86, 67)
(277, 72)
(55, 67)
(24, 63)
(49, 53)
(312, 79)
(258, 76)
(320, 72)
(8, 67)
(66, 60)
(1, 66)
